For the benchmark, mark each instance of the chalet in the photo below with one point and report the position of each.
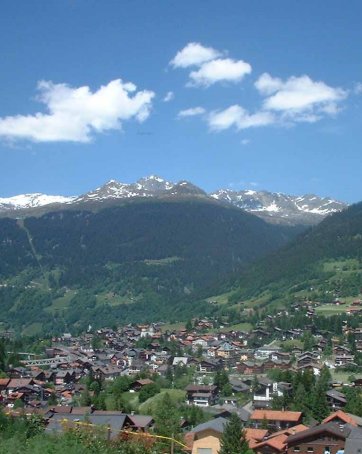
(341, 350)
(206, 436)
(238, 386)
(307, 358)
(266, 390)
(208, 366)
(250, 368)
(16, 383)
(315, 368)
(225, 350)
(64, 377)
(140, 423)
(336, 400)
(322, 439)
(280, 356)
(18, 372)
(139, 384)
(199, 342)
(267, 351)
(111, 422)
(274, 443)
(259, 333)
(201, 395)
(341, 418)
(344, 360)
(276, 420)
(180, 361)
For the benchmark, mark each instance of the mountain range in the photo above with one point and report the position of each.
(159, 250)
(272, 207)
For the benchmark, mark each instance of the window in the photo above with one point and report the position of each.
(296, 449)
(327, 450)
(310, 449)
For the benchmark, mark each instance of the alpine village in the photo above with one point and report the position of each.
(109, 343)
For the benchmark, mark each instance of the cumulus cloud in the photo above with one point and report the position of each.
(211, 67)
(220, 70)
(192, 112)
(169, 96)
(236, 116)
(76, 114)
(299, 98)
(194, 54)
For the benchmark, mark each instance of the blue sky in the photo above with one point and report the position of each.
(238, 94)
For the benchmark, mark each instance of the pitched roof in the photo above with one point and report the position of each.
(348, 419)
(354, 441)
(331, 428)
(115, 422)
(18, 382)
(291, 430)
(141, 421)
(274, 415)
(255, 436)
(278, 443)
(217, 424)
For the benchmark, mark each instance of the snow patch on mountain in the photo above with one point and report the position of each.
(23, 201)
(280, 206)
(271, 206)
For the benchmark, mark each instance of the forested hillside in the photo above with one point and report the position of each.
(137, 261)
(325, 261)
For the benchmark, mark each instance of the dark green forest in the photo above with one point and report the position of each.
(303, 263)
(139, 261)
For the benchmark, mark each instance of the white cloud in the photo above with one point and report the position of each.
(169, 96)
(194, 54)
(220, 70)
(299, 98)
(245, 142)
(192, 112)
(211, 67)
(238, 117)
(76, 114)
(358, 88)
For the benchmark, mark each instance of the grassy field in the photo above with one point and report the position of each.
(33, 329)
(342, 376)
(219, 299)
(59, 304)
(341, 266)
(331, 309)
(177, 395)
(172, 326)
(237, 327)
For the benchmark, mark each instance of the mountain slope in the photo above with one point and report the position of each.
(272, 207)
(151, 259)
(323, 262)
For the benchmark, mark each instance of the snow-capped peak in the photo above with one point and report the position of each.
(31, 201)
(274, 207)
(280, 207)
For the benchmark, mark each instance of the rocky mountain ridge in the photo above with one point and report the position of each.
(272, 207)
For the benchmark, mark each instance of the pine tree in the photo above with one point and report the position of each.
(233, 439)
(167, 417)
